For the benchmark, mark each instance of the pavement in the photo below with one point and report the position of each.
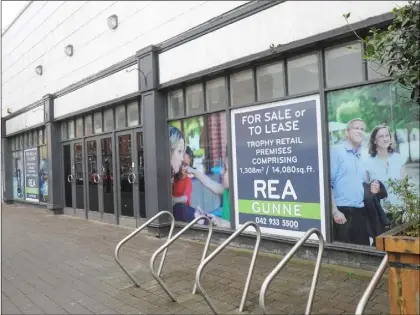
(56, 264)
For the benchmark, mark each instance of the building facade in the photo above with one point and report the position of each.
(114, 111)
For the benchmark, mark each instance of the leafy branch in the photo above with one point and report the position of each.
(397, 47)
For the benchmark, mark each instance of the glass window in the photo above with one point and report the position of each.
(379, 118)
(97, 122)
(21, 142)
(79, 127)
(343, 64)
(302, 74)
(64, 131)
(176, 104)
(109, 119)
(71, 129)
(12, 143)
(216, 94)
(30, 139)
(270, 81)
(25, 140)
(133, 114)
(41, 136)
(195, 99)
(376, 71)
(88, 125)
(120, 117)
(35, 137)
(242, 88)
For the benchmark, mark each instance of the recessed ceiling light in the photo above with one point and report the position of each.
(69, 50)
(38, 70)
(112, 21)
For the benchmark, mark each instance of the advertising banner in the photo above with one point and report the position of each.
(31, 174)
(277, 166)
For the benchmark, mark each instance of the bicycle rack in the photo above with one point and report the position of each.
(217, 251)
(286, 259)
(173, 239)
(371, 287)
(124, 240)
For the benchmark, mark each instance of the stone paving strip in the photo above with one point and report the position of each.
(65, 265)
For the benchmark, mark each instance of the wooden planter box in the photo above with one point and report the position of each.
(403, 270)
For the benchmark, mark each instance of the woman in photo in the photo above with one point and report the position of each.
(177, 150)
(383, 162)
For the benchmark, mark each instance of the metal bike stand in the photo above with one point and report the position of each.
(124, 240)
(371, 287)
(286, 259)
(217, 251)
(173, 239)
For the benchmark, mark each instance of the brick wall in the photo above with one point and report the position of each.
(217, 137)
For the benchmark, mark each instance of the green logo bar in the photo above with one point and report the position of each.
(301, 210)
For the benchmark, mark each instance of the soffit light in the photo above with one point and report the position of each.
(38, 70)
(68, 50)
(112, 21)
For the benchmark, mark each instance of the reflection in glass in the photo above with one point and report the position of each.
(242, 88)
(302, 74)
(108, 175)
(176, 104)
(71, 129)
(79, 127)
(97, 122)
(92, 175)
(78, 174)
(35, 137)
(133, 114)
(140, 175)
(216, 94)
(108, 120)
(43, 173)
(41, 136)
(343, 64)
(88, 125)
(120, 117)
(64, 131)
(126, 193)
(270, 81)
(30, 140)
(195, 99)
(17, 175)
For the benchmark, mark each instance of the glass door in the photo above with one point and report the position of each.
(74, 177)
(100, 172)
(130, 174)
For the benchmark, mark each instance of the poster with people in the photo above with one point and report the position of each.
(277, 166)
(374, 138)
(199, 166)
(31, 174)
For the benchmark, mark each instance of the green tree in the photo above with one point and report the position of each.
(397, 48)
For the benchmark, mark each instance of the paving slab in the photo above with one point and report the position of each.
(57, 264)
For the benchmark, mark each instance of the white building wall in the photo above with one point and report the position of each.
(282, 24)
(39, 36)
(111, 87)
(25, 120)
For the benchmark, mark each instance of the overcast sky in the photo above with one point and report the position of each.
(9, 10)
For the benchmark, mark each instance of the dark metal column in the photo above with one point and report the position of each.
(6, 166)
(55, 168)
(155, 133)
